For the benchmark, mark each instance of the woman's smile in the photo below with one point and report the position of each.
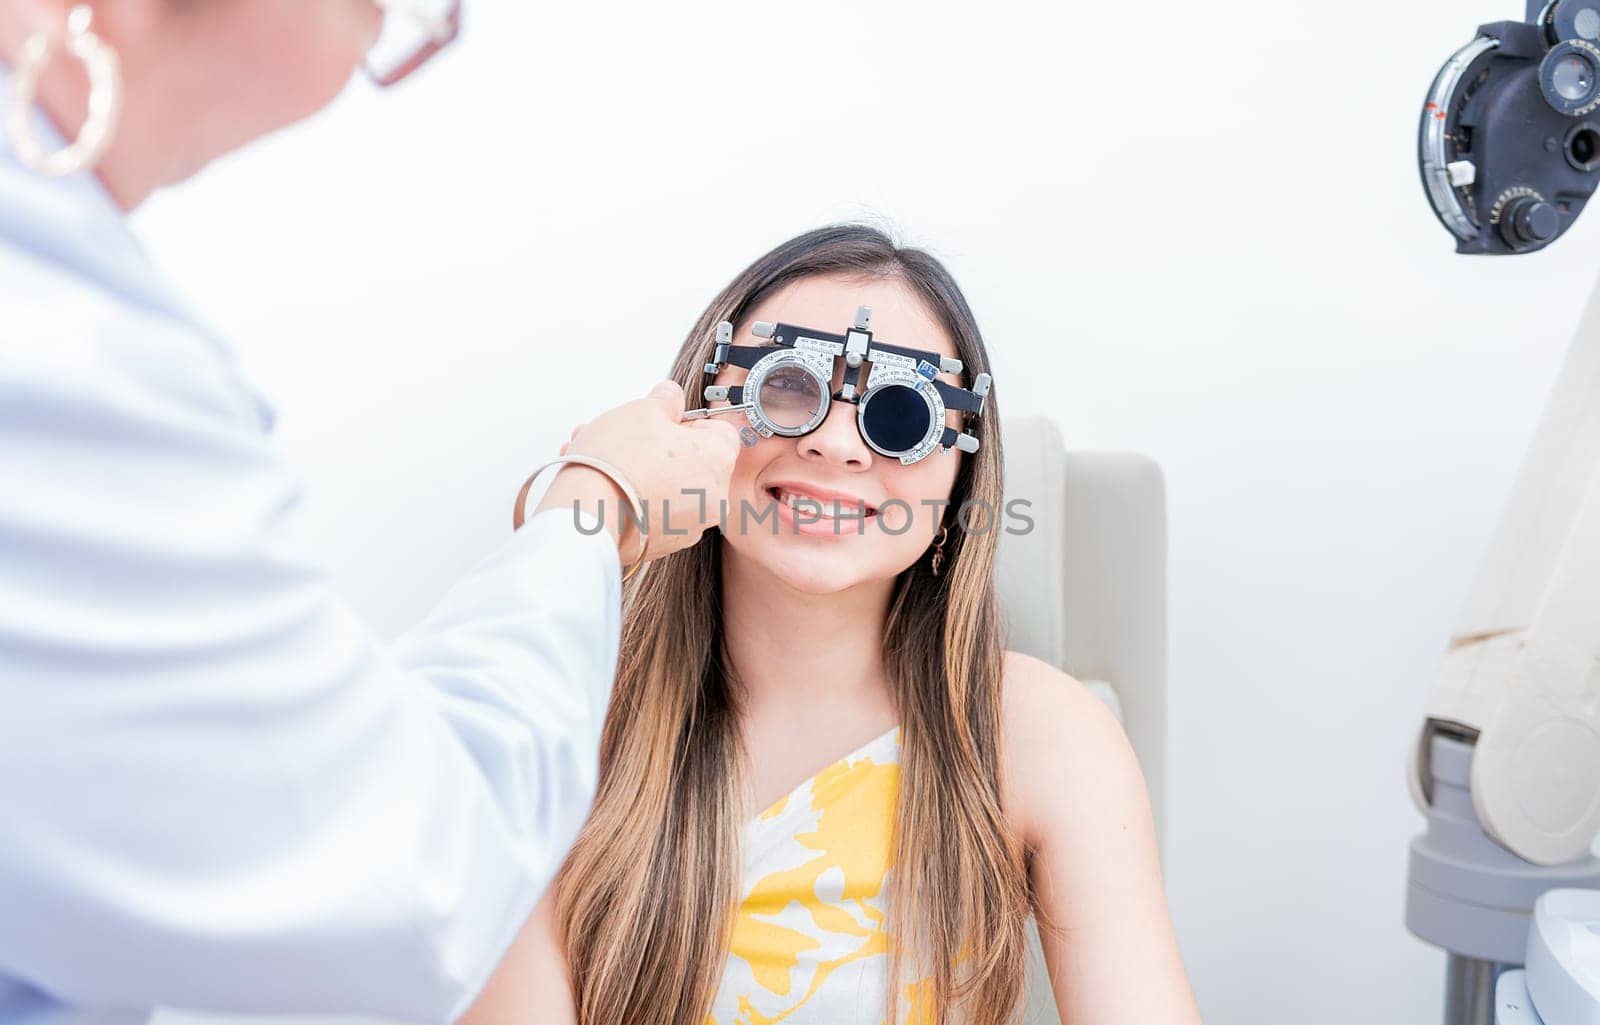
(804, 514)
(820, 512)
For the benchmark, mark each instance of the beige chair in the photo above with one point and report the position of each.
(1085, 590)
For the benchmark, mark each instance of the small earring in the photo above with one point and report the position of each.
(100, 62)
(938, 550)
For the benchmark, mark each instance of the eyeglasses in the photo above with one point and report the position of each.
(413, 32)
(899, 411)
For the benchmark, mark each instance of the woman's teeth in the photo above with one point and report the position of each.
(812, 506)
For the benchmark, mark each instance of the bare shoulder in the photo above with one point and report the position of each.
(1048, 714)
(1067, 758)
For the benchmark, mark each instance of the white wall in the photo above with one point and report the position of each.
(1193, 232)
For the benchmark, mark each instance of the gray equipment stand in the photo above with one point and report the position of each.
(1471, 896)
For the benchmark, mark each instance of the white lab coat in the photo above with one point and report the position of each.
(217, 790)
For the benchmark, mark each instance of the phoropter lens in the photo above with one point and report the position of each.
(790, 397)
(1573, 78)
(1567, 77)
(1572, 19)
(1583, 147)
(895, 419)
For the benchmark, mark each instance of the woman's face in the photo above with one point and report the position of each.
(825, 554)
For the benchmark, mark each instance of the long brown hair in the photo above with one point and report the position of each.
(646, 900)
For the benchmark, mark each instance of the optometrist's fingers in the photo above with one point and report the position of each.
(681, 471)
(670, 394)
(720, 441)
(686, 513)
(721, 432)
(565, 445)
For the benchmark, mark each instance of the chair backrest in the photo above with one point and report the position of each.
(1085, 589)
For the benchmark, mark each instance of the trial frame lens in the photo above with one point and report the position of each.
(789, 396)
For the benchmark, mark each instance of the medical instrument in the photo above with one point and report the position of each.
(900, 410)
(701, 414)
(1509, 144)
(1562, 980)
(1507, 764)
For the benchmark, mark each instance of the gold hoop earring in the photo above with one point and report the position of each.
(100, 62)
(938, 550)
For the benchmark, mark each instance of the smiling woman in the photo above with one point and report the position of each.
(824, 797)
(825, 478)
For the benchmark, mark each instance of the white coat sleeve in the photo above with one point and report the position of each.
(217, 791)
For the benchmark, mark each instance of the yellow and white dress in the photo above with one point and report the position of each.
(810, 942)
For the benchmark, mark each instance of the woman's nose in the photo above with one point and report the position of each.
(836, 440)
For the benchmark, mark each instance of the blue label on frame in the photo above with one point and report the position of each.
(928, 370)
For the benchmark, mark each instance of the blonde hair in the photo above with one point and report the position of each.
(646, 900)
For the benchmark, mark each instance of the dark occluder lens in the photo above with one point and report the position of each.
(896, 418)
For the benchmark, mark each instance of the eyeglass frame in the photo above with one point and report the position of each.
(445, 32)
(891, 365)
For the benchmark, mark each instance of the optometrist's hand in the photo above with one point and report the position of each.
(668, 462)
